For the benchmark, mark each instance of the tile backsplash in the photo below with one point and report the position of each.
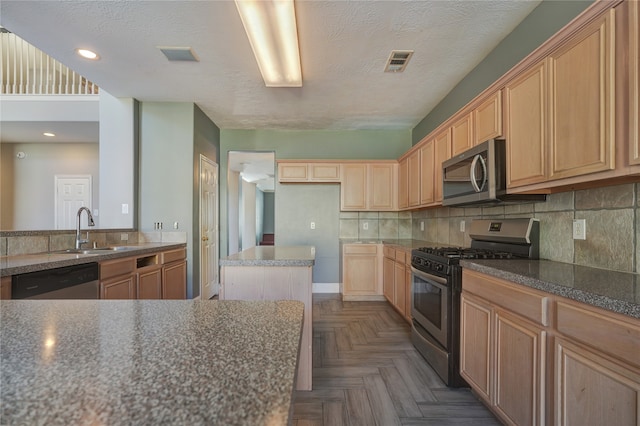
(42, 241)
(612, 216)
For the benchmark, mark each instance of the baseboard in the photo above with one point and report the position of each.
(326, 287)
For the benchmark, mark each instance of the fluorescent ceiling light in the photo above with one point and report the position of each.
(88, 54)
(272, 32)
(49, 134)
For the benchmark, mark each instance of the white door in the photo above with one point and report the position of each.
(209, 281)
(72, 192)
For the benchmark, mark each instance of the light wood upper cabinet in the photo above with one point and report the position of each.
(414, 179)
(582, 101)
(633, 47)
(462, 134)
(368, 186)
(427, 173)
(442, 153)
(293, 172)
(381, 191)
(487, 118)
(304, 172)
(324, 172)
(353, 191)
(525, 104)
(403, 183)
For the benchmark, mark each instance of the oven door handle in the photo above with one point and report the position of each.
(428, 276)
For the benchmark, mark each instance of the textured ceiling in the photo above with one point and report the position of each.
(343, 46)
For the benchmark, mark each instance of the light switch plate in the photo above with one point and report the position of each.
(579, 229)
(365, 225)
(462, 226)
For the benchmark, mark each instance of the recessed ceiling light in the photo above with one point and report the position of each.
(49, 134)
(88, 54)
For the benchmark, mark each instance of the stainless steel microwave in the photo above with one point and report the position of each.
(478, 176)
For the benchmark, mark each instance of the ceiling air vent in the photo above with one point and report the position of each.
(179, 53)
(398, 60)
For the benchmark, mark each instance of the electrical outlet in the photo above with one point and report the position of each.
(422, 225)
(462, 226)
(124, 237)
(125, 209)
(313, 225)
(579, 229)
(365, 225)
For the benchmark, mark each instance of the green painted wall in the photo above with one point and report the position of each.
(535, 29)
(172, 136)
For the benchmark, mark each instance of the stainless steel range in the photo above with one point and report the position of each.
(437, 284)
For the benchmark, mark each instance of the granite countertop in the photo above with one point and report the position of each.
(272, 256)
(402, 243)
(148, 362)
(612, 290)
(12, 265)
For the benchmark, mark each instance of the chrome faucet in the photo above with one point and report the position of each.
(79, 240)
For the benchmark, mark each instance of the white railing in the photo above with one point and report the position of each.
(27, 70)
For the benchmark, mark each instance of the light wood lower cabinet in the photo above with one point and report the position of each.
(174, 280)
(397, 279)
(476, 339)
(536, 358)
(362, 272)
(503, 352)
(123, 287)
(149, 282)
(276, 283)
(519, 369)
(118, 279)
(5, 288)
(593, 390)
(161, 275)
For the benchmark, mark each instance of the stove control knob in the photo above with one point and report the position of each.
(427, 263)
(439, 267)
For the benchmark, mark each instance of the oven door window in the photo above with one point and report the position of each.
(427, 302)
(430, 307)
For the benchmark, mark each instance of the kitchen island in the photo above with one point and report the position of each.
(148, 362)
(274, 273)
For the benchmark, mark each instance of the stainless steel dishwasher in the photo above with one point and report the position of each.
(68, 282)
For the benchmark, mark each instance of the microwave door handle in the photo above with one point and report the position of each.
(483, 163)
(472, 172)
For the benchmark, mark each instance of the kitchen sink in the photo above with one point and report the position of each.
(99, 250)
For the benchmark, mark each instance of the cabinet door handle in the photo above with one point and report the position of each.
(205, 238)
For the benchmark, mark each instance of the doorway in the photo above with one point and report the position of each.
(209, 280)
(250, 199)
(71, 193)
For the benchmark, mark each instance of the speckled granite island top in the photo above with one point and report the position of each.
(615, 291)
(272, 256)
(148, 362)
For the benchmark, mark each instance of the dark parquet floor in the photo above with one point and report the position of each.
(367, 372)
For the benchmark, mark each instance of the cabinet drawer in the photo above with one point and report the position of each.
(528, 303)
(389, 252)
(400, 256)
(173, 255)
(360, 249)
(616, 336)
(113, 268)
